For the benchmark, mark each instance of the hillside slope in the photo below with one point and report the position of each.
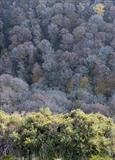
(57, 53)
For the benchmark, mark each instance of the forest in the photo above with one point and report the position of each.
(57, 79)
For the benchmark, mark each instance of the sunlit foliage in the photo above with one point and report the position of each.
(48, 136)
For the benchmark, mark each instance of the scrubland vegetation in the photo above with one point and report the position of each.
(45, 136)
(58, 54)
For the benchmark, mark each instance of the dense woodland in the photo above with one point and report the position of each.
(57, 56)
(57, 53)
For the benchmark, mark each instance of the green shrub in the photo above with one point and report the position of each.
(97, 157)
(70, 135)
(9, 157)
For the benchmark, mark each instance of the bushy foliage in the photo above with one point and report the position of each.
(100, 158)
(9, 157)
(47, 136)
